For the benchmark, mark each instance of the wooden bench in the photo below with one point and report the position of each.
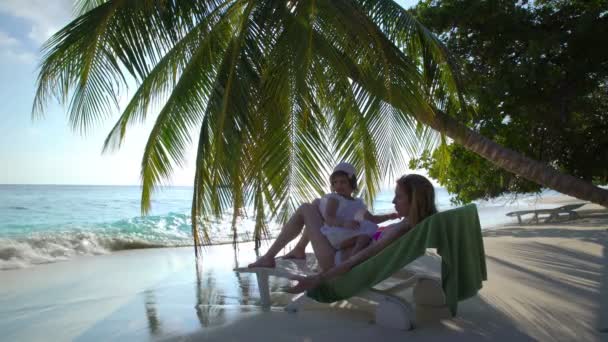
(553, 214)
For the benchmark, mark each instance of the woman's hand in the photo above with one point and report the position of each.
(304, 283)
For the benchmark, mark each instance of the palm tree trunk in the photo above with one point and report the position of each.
(517, 163)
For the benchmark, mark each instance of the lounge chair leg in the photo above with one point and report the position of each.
(429, 292)
(428, 314)
(262, 277)
(394, 313)
(430, 302)
(297, 302)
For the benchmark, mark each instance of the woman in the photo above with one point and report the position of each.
(414, 201)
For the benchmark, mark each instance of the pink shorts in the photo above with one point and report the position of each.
(378, 234)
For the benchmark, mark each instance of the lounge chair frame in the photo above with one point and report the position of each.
(393, 311)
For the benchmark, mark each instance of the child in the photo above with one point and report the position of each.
(347, 220)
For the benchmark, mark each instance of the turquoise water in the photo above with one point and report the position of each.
(48, 223)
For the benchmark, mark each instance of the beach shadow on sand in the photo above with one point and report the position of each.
(594, 235)
(562, 272)
(603, 316)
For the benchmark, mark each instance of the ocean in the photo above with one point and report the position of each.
(49, 223)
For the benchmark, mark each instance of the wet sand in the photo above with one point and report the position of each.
(547, 282)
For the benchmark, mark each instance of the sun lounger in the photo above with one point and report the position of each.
(553, 214)
(425, 302)
(456, 234)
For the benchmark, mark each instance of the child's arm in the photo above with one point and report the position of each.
(330, 215)
(380, 218)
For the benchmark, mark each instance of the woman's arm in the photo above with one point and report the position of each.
(310, 282)
(366, 253)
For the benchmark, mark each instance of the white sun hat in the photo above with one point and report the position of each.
(345, 167)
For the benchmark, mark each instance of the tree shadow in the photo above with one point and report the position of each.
(484, 319)
(603, 316)
(596, 235)
(563, 275)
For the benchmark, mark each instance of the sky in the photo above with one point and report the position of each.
(47, 151)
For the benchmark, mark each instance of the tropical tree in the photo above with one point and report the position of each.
(277, 91)
(540, 86)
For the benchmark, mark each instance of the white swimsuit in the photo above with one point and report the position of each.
(347, 211)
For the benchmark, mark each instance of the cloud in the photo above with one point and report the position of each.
(45, 17)
(19, 56)
(41, 17)
(7, 41)
(12, 50)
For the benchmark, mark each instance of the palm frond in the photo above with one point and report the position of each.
(415, 41)
(90, 58)
(206, 37)
(184, 109)
(222, 171)
(278, 91)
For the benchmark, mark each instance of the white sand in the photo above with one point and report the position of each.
(547, 282)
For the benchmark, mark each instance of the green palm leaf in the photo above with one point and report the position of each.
(278, 91)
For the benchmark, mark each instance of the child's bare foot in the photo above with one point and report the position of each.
(295, 254)
(263, 262)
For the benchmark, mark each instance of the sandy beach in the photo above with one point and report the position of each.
(132, 133)
(547, 282)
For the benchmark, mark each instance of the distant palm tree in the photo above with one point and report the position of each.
(277, 90)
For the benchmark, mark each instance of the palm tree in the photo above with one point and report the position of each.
(277, 91)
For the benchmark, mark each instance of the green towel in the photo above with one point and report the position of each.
(455, 233)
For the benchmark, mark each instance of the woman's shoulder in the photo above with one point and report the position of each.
(397, 226)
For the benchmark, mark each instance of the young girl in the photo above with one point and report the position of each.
(347, 220)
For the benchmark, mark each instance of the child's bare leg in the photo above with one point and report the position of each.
(290, 231)
(361, 242)
(350, 242)
(299, 251)
(346, 253)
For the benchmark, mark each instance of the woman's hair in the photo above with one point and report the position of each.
(352, 180)
(421, 194)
